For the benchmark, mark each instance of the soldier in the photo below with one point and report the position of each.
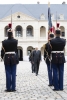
(48, 60)
(10, 47)
(58, 59)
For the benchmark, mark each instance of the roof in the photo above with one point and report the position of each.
(33, 10)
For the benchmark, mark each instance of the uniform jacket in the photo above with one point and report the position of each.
(47, 53)
(58, 44)
(10, 45)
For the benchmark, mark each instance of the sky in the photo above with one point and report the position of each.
(32, 1)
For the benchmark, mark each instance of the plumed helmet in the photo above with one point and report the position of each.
(58, 31)
(10, 25)
(58, 25)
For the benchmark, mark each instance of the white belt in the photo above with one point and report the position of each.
(57, 52)
(9, 52)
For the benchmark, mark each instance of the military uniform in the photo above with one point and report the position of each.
(58, 60)
(48, 61)
(10, 47)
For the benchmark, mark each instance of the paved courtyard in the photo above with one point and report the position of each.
(31, 87)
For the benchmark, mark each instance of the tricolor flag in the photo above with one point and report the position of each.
(49, 20)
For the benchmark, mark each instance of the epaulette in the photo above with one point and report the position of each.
(44, 46)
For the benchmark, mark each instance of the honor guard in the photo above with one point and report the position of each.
(58, 59)
(10, 47)
(48, 59)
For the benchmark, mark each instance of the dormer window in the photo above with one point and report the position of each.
(61, 17)
(52, 16)
(42, 17)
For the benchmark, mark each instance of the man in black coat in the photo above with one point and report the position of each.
(36, 59)
(31, 60)
(10, 47)
(57, 46)
(48, 60)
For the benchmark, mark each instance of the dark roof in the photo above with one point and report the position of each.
(33, 10)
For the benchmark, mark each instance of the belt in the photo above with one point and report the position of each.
(9, 52)
(57, 52)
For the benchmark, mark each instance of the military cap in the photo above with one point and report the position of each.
(9, 32)
(51, 35)
(57, 32)
(10, 28)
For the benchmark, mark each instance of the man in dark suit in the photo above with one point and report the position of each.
(31, 60)
(36, 59)
(48, 60)
(10, 47)
(57, 46)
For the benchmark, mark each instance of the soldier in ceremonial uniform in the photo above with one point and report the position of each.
(10, 47)
(57, 46)
(48, 59)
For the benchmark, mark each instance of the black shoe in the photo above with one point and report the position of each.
(7, 90)
(13, 90)
(36, 74)
(50, 85)
(61, 89)
(55, 89)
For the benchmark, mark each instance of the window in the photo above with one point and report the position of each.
(18, 34)
(29, 32)
(18, 31)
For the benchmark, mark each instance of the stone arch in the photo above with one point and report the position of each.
(5, 31)
(20, 53)
(29, 49)
(62, 31)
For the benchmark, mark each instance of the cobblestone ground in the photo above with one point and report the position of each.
(31, 87)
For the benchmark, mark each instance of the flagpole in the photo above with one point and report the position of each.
(48, 4)
(11, 19)
(48, 20)
(56, 19)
